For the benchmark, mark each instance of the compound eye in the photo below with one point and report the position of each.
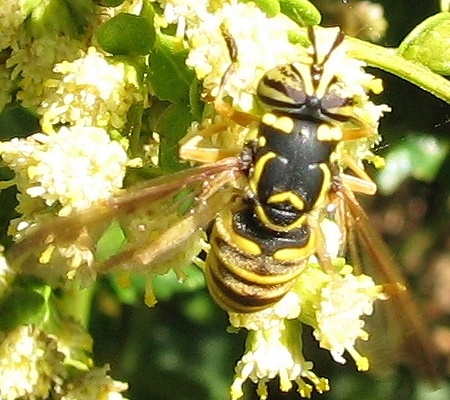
(282, 88)
(333, 101)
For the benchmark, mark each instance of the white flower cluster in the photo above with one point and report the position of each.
(344, 300)
(32, 62)
(183, 12)
(68, 85)
(11, 19)
(90, 91)
(32, 367)
(95, 384)
(29, 364)
(262, 43)
(75, 166)
(276, 352)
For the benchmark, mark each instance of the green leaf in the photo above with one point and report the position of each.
(269, 7)
(303, 12)
(50, 17)
(127, 34)
(391, 61)
(172, 127)
(110, 242)
(82, 13)
(196, 103)
(109, 3)
(16, 121)
(171, 122)
(22, 306)
(169, 76)
(418, 156)
(429, 43)
(147, 12)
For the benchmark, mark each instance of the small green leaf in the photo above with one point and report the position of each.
(111, 242)
(195, 100)
(303, 12)
(429, 43)
(418, 156)
(269, 7)
(299, 36)
(168, 75)
(148, 12)
(22, 307)
(127, 34)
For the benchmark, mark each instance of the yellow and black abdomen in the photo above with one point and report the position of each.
(246, 270)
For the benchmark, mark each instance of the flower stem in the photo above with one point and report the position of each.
(76, 303)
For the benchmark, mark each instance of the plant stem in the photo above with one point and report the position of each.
(389, 60)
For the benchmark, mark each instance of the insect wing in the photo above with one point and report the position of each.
(415, 341)
(155, 202)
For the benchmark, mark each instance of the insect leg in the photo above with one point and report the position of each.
(362, 182)
(222, 108)
(191, 150)
(321, 244)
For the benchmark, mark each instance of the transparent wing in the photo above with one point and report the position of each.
(406, 332)
(156, 219)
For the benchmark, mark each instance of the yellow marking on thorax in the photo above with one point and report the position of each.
(284, 124)
(281, 228)
(327, 133)
(287, 196)
(258, 170)
(269, 119)
(326, 184)
(262, 141)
